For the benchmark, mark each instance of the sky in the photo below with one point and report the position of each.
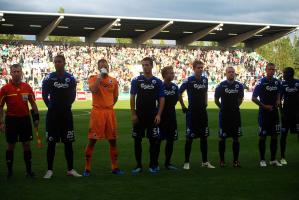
(262, 11)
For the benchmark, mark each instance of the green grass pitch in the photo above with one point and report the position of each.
(249, 182)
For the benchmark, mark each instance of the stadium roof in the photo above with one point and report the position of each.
(140, 29)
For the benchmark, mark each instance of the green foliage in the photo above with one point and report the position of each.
(61, 10)
(282, 52)
(123, 40)
(11, 37)
(64, 39)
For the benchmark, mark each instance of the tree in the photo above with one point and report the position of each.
(162, 42)
(61, 10)
(11, 37)
(281, 52)
(64, 39)
(296, 55)
(123, 40)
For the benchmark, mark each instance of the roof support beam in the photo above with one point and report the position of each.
(151, 33)
(242, 37)
(96, 34)
(265, 40)
(185, 41)
(48, 29)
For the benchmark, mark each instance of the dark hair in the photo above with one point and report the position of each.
(197, 62)
(150, 60)
(17, 65)
(102, 60)
(288, 73)
(165, 70)
(270, 65)
(60, 56)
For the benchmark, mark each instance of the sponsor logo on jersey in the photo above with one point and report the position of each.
(169, 92)
(61, 85)
(271, 88)
(290, 89)
(199, 86)
(147, 86)
(231, 91)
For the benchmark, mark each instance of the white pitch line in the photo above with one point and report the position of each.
(84, 114)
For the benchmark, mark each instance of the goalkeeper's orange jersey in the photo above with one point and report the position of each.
(106, 94)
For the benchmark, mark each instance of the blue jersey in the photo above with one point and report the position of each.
(148, 93)
(59, 91)
(290, 95)
(196, 91)
(267, 91)
(229, 93)
(171, 99)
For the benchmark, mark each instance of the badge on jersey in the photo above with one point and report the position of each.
(25, 97)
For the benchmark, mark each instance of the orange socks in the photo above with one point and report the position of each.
(88, 156)
(113, 157)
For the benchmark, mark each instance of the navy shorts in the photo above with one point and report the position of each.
(168, 128)
(59, 125)
(197, 124)
(269, 123)
(229, 124)
(146, 127)
(290, 122)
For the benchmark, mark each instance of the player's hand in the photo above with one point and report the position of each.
(268, 107)
(184, 109)
(134, 118)
(157, 119)
(277, 103)
(2, 128)
(35, 123)
(99, 77)
(283, 117)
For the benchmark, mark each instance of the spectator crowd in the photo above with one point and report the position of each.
(81, 61)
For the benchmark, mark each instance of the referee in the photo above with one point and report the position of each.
(18, 128)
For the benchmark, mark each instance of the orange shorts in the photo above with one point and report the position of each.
(102, 124)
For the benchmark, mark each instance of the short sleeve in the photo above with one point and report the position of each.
(241, 91)
(2, 96)
(133, 90)
(161, 89)
(183, 87)
(257, 89)
(115, 92)
(218, 92)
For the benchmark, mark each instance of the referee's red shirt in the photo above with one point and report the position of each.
(16, 98)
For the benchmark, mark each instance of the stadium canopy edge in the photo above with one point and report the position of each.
(141, 29)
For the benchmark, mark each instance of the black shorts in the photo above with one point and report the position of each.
(18, 129)
(229, 124)
(59, 125)
(168, 128)
(197, 124)
(146, 124)
(290, 122)
(269, 123)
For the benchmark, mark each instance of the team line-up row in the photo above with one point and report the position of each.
(153, 115)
